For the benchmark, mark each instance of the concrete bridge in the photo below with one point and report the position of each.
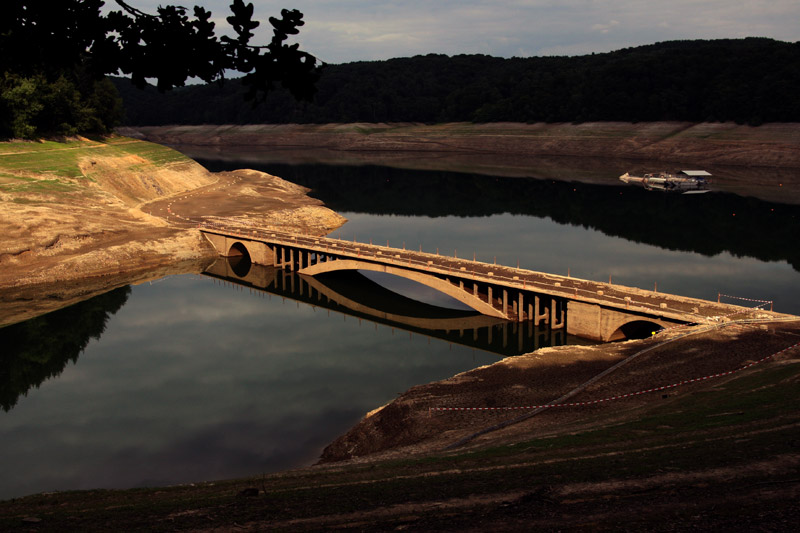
(589, 309)
(473, 330)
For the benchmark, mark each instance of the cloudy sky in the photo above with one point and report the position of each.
(340, 31)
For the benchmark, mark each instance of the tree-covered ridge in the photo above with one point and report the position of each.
(751, 80)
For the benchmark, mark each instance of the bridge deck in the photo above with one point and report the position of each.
(620, 297)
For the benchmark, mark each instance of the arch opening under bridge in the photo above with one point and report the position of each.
(470, 299)
(413, 290)
(239, 259)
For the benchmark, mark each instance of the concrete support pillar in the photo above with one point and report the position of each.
(489, 297)
(537, 316)
(520, 307)
(557, 314)
(505, 301)
(291, 262)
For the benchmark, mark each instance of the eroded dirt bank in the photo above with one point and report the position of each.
(769, 145)
(498, 397)
(87, 216)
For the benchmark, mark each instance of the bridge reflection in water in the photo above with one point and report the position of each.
(351, 293)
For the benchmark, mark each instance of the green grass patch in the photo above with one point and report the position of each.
(60, 159)
(60, 163)
(155, 153)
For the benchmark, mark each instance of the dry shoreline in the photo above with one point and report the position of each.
(774, 145)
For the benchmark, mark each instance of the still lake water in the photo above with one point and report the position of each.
(191, 379)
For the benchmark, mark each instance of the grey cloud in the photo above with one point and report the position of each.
(339, 31)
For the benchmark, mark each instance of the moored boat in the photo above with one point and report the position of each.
(684, 181)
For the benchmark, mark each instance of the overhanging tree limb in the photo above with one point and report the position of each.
(74, 42)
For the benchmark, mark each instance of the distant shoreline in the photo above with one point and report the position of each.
(775, 145)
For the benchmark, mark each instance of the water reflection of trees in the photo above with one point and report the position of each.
(707, 223)
(40, 348)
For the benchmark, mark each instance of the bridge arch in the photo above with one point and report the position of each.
(443, 324)
(425, 279)
(239, 259)
(238, 249)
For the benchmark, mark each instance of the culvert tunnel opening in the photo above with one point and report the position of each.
(239, 259)
(637, 329)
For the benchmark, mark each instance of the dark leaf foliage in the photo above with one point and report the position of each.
(73, 44)
(751, 80)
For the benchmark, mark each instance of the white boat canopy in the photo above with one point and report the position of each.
(696, 173)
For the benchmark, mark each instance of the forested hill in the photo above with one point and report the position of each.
(751, 80)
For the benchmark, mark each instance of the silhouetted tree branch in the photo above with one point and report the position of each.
(74, 41)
